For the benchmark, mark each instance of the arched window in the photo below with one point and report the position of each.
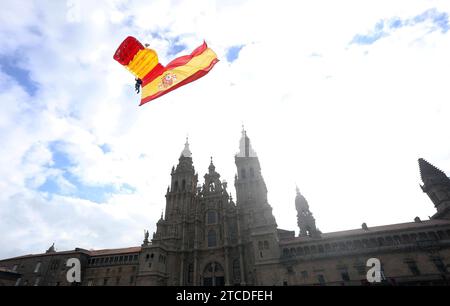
(183, 185)
(260, 245)
(389, 240)
(213, 275)
(308, 229)
(432, 236)
(252, 172)
(211, 217)
(243, 173)
(266, 244)
(175, 186)
(212, 239)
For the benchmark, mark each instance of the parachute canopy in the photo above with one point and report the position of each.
(157, 79)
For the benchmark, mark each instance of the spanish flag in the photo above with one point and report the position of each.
(157, 80)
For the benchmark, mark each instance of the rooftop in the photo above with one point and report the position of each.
(371, 230)
(101, 252)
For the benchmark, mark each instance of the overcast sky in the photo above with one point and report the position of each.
(338, 97)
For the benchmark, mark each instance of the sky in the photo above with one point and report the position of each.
(339, 98)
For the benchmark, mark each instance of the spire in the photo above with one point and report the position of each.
(51, 249)
(305, 219)
(436, 185)
(428, 171)
(300, 202)
(186, 152)
(245, 148)
(211, 167)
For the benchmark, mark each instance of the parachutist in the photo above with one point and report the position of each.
(159, 80)
(138, 84)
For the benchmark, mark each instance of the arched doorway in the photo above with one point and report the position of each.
(213, 275)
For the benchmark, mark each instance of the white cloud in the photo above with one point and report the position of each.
(346, 126)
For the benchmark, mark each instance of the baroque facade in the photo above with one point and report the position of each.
(206, 238)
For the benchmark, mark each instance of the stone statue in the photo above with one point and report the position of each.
(146, 234)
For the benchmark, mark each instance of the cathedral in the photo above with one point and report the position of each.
(207, 238)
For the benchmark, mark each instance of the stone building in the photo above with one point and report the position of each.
(98, 267)
(8, 277)
(207, 238)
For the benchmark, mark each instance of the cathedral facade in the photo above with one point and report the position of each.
(205, 238)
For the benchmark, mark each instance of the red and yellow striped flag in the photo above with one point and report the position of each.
(158, 80)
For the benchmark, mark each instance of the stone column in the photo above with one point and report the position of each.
(241, 263)
(195, 268)
(225, 242)
(241, 253)
(227, 267)
(182, 269)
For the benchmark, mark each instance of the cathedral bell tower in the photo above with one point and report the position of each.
(250, 186)
(257, 224)
(179, 197)
(157, 258)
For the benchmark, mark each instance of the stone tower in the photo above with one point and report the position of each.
(182, 189)
(161, 261)
(250, 186)
(437, 186)
(257, 225)
(305, 220)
